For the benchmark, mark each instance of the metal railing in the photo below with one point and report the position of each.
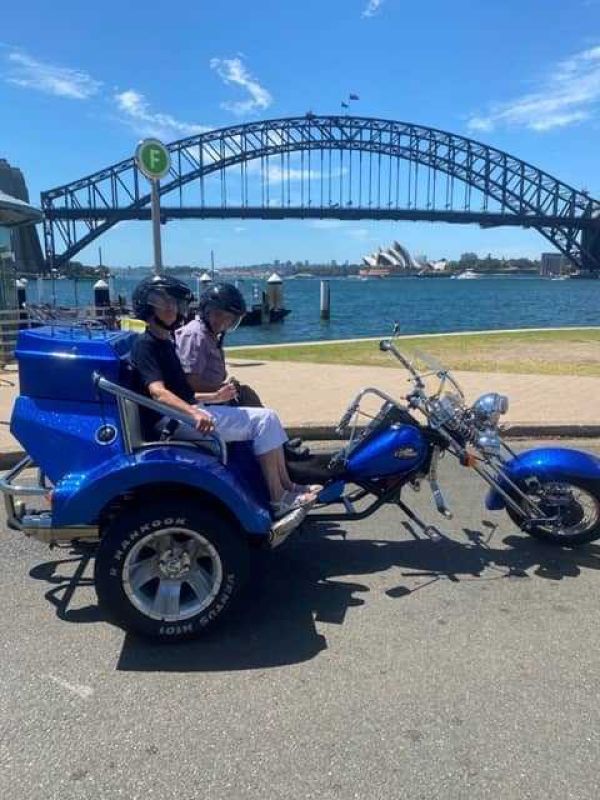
(13, 320)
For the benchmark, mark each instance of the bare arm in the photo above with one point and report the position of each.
(202, 419)
(207, 394)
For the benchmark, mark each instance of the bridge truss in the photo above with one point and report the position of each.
(336, 167)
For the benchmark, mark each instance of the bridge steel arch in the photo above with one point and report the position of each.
(75, 214)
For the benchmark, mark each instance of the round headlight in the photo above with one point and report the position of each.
(489, 408)
(488, 441)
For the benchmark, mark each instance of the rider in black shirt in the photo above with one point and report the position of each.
(158, 301)
(156, 360)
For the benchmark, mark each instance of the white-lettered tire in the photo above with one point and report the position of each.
(171, 570)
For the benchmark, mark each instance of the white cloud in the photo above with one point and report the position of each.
(295, 174)
(276, 174)
(233, 71)
(29, 73)
(570, 94)
(372, 8)
(359, 233)
(326, 224)
(136, 112)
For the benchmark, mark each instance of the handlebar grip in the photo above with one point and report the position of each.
(343, 423)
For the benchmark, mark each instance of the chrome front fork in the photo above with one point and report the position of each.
(438, 497)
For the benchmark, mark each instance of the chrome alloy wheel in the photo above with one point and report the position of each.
(172, 574)
(576, 510)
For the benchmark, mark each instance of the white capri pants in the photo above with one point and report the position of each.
(242, 424)
(238, 424)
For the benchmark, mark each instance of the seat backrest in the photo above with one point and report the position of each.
(132, 421)
(137, 441)
(129, 378)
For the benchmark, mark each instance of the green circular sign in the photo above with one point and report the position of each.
(153, 158)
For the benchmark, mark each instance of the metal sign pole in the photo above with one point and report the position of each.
(154, 161)
(156, 226)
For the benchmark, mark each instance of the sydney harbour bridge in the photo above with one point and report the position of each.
(329, 167)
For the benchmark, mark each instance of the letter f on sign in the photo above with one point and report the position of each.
(155, 159)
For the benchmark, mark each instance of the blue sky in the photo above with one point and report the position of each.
(80, 84)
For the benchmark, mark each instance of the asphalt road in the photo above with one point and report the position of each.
(371, 666)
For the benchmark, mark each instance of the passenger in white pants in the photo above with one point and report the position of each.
(158, 301)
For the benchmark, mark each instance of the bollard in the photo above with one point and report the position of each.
(265, 314)
(325, 300)
(21, 287)
(274, 292)
(101, 298)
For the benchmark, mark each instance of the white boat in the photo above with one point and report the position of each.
(467, 275)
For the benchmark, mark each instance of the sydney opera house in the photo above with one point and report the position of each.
(395, 261)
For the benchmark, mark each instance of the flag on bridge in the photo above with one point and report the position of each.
(345, 105)
(354, 97)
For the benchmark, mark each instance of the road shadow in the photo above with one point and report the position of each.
(242, 364)
(67, 576)
(316, 578)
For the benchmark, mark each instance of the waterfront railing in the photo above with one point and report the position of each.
(13, 320)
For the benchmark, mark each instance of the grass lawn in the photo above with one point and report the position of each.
(560, 352)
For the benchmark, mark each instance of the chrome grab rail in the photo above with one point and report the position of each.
(161, 408)
(9, 491)
(7, 487)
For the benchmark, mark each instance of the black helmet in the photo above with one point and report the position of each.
(152, 288)
(222, 297)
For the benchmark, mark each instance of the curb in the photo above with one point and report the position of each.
(313, 432)
(515, 430)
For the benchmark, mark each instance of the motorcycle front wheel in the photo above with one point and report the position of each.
(573, 506)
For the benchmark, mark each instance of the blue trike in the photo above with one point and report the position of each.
(174, 521)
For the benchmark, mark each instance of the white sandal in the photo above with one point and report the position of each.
(313, 488)
(291, 500)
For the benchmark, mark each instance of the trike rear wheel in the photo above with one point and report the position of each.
(171, 570)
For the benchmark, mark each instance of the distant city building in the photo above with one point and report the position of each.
(14, 214)
(439, 266)
(395, 259)
(554, 264)
(25, 245)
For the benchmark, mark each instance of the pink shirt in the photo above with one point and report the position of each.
(200, 354)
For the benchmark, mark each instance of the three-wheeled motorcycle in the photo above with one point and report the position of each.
(174, 520)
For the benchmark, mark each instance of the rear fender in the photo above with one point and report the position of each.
(79, 498)
(549, 463)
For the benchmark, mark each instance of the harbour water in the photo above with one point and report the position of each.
(370, 308)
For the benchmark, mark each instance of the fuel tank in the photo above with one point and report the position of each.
(395, 450)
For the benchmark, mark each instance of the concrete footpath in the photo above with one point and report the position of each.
(310, 398)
